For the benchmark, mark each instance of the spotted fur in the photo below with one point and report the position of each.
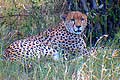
(65, 37)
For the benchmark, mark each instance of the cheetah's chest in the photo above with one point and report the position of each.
(61, 39)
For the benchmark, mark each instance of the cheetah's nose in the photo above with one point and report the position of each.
(78, 26)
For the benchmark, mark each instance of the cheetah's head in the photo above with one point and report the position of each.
(75, 22)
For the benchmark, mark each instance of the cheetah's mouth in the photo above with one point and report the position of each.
(77, 30)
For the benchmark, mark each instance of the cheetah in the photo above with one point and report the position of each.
(65, 37)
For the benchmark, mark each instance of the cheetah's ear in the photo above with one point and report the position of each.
(63, 17)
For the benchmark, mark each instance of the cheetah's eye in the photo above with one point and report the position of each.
(82, 19)
(72, 19)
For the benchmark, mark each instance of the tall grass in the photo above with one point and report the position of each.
(103, 65)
